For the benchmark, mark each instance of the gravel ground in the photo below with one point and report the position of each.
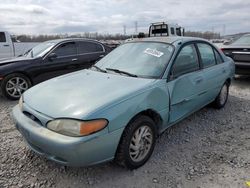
(208, 149)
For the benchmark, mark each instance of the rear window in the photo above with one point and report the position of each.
(89, 47)
(244, 41)
(2, 37)
(159, 30)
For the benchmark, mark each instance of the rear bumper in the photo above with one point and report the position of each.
(242, 68)
(65, 150)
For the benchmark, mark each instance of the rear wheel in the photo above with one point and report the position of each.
(137, 143)
(221, 99)
(14, 85)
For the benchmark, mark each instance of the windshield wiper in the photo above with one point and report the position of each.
(98, 68)
(122, 72)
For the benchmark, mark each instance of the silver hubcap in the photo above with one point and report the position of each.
(16, 86)
(223, 94)
(140, 143)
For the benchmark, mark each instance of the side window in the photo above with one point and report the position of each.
(178, 31)
(218, 57)
(88, 47)
(65, 49)
(207, 55)
(2, 37)
(172, 30)
(186, 61)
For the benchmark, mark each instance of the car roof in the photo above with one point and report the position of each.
(169, 40)
(71, 39)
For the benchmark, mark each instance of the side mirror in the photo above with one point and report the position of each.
(52, 56)
(171, 77)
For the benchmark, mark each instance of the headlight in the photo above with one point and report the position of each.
(71, 127)
(21, 103)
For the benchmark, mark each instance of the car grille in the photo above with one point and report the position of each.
(31, 116)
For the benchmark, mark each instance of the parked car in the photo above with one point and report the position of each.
(48, 60)
(239, 51)
(117, 108)
(10, 48)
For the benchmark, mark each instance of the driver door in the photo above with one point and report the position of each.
(185, 85)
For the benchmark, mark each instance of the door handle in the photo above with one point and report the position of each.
(198, 80)
(6, 45)
(75, 59)
(101, 56)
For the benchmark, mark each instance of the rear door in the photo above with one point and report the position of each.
(89, 52)
(5, 47)
(213, 69)
(64, 61)
(185, 85)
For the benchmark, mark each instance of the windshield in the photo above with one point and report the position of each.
(245, 41)
(143, 59)
(40, 50)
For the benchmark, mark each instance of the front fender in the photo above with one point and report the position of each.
(155, 98)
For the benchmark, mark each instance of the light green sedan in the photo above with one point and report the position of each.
(116, 109)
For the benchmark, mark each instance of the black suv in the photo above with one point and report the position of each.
(47, 60)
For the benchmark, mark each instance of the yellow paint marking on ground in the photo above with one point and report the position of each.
(248, 183)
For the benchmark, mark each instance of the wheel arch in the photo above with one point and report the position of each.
(228, 80)
(23, 73)
(155, 116)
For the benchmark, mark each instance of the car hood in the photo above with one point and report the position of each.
(79, 94)
(14, 60)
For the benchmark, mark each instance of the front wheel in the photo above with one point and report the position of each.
(137, 143)
(221, 99)
(14, 85)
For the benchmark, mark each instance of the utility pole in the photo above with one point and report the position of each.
(136, 27)
(212, 32)
(224, 30)
(124, 30)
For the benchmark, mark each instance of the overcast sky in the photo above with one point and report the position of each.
(109, 16)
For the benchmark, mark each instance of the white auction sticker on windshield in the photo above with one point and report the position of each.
(153, 52)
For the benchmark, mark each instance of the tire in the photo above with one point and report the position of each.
(14, 85)
(222, 98)
(128, 154)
